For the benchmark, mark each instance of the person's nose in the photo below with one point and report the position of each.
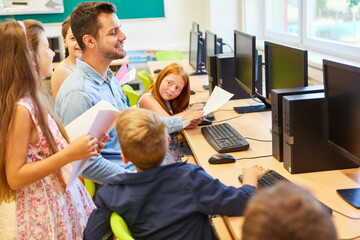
(122, 36)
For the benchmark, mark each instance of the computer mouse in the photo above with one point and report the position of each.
(221, 158)
(157, 70)
(192, 92)
(205, 122)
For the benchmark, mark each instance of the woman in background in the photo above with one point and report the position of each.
(67, 66)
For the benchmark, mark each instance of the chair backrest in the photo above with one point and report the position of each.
(131, 94)
(168, 55)
(90, 186)
(119, 227)
(145, 78)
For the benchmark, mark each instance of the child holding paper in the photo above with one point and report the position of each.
(67, 66)
(34, 151)
(170, 96)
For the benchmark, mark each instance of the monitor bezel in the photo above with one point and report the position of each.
(295, 50)
(197, 67)
(333, 145)
(252, 38)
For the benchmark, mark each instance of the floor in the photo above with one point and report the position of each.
(7, 221)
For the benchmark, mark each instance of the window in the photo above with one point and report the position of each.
(330, 26)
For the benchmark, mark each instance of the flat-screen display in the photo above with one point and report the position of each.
(285, 67)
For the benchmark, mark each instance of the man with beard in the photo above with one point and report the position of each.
(97, 31)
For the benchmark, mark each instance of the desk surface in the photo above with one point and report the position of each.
(256, 125)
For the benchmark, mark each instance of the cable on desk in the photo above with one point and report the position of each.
(253, 157)
(259, 140)
(223, 110)
(228, 118)
(255, 99)
(345, 216)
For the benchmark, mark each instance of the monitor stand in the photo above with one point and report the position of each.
(351, 195)
(255, 108)
(198, 73)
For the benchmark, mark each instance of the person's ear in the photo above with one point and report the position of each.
(89, 41)
(64, 41)
(124, 158)
(169, 139)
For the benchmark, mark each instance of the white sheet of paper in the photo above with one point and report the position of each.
(217, 99)
(98, 120)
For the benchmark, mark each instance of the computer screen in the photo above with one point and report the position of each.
(342, 114)
(194, 51)
(244, 57)
(285, 67)
(342, 84)
(246, 66)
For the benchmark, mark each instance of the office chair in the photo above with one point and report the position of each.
(168, 55)
(119, 227)
(90, 187)
(131, 94)
(145, 78)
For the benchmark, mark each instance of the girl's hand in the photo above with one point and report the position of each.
(187, 115)
(82, 147)
(101, 143)
(196, 107)
(252, 174)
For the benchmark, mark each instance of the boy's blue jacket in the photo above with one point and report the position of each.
(166, 202)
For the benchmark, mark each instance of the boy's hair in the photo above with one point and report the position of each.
(286, 211)
(142, 136)
(84, 19)
(180, 103)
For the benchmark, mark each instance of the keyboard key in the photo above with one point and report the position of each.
(224, 138)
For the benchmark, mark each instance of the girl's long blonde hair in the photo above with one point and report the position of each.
(19, 78)
(180, 103)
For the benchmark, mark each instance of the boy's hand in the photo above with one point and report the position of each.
(252, 174)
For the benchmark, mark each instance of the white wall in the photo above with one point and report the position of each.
(171, 32)
(225, 17)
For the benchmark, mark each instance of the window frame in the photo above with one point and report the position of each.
(303, 39)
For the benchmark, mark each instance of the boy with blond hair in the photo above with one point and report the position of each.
(163, 201)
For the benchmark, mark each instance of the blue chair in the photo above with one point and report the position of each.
(119, 227)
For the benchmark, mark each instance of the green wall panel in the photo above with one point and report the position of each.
(126, 9)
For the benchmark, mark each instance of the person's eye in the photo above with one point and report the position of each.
(169, 83)
(177, 88)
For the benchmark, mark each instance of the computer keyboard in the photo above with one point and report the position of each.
(224, 138)
(271, 178)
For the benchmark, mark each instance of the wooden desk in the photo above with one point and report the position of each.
(256, 125)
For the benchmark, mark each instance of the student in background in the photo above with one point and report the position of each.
(67, 66)
(286, 211)
(170, 96)
(97, 30)
(163, 201)
(35, 152)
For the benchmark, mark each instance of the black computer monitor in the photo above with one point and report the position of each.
(213, 46)
(342, 109)
(195, 53)
(245, 72)
(285, 67)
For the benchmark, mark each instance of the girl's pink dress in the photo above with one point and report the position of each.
(44, 209)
